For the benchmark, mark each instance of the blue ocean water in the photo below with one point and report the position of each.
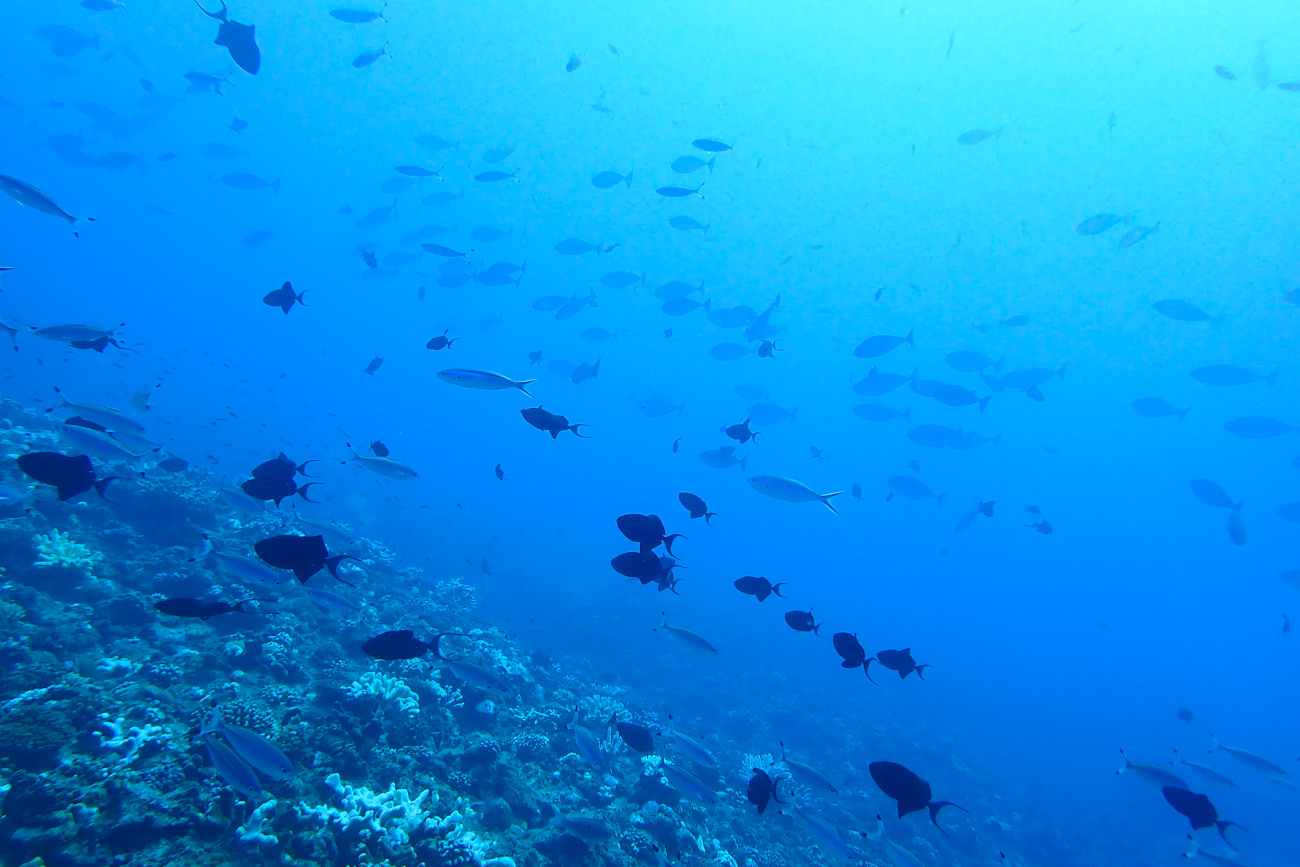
(1083, 199)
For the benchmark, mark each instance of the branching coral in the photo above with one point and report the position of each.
(390, 689)
(59, 549)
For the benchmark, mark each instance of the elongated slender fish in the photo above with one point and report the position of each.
(1254, 761)
(779, 488)
(485, 380)
(389, 468)
(687, 638)
(33, 197)
(1157, 775)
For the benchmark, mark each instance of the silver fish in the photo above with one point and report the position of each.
(33, 197)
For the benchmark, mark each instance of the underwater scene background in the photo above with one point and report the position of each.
(573, 329)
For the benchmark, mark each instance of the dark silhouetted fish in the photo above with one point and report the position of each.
(284, 297)
(70, 475)
(550, 422)
(367, 58)
(638, 738)
(1257, 427)
(910, 791)
(850, 650)
(647, 531)
(304, 556)
(696, 507)
(188, 607)
(759, 588)
(374, 365)
(1224, 72)
(396, 644)
(741, 432)
(762, 789)
(238, 39)
(900, 661)
(1197, 808)
(440, 342)
(356, 16)
(802, 621)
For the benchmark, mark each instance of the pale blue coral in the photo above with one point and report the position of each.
(58, 549)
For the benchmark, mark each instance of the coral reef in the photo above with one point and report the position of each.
(59, 549)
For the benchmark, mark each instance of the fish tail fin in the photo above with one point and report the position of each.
(794, 416)
(1271, 379)
(1183, 414)
(1060, 371)
(710, 164)
(776, 588)
(706, 228)
(302, 492)
(627, 179)
(907, 414)
(941, 498)
(574, 428)
(984, 402)
(745, 460)
(936, 806)
(708, 516)
(866, 667)
(275, 186)
(908, 338)
(826, 500)
(239, 606)
(1223, 825)
(920, 670)
(520, 385)
(332, 564)
(298, 297)
(101, 486)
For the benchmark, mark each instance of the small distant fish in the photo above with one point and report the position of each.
(494, 177)
(575, 60)
(499, 473)
(378, 449)
(1184, 311)
(574, 247)
(356, 16)
(257, 237)
(441, 341)
(1154, 407)
(1137, 234)
(1230, 375)
(683, 223)
(550, 422)
(284, 297)
(680, 192)
(444, 252)
(976, 136)
(374, 365)
(1224, 72)
(874, 347)
(1098, 223)
(685, 165)
(687, 638)
(1020, 320)
(249, 182)
(606, 180)
(366, 58)
(388, 467)
(711, 145)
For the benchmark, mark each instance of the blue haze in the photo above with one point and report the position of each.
(1049, 652)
